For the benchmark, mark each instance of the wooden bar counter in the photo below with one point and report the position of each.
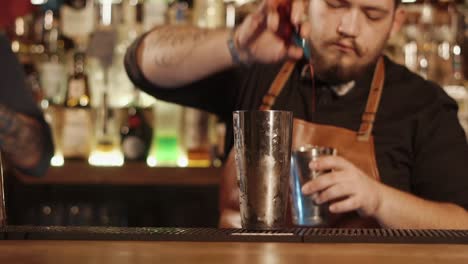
(119, 252)
(208, 245)
(133, 173)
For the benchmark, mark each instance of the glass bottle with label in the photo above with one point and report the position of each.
(136, 135)
(154, 13)
(53, 81)
(209, 13)
(20, 43)
(178, 13)
(78, 95)
(77, 20)
(166, 148)
(106, 151)
(427, 47)
(77, 118)
(197, 137)
(53, 77)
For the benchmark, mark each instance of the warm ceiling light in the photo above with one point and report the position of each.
(38, 2)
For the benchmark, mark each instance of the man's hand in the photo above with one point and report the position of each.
(256, 38)
(346, 188)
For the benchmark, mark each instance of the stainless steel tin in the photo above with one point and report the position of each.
(304, 211)
(262, 142)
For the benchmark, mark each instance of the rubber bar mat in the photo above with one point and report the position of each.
(420, 236)
(148, 234)
(307, 235)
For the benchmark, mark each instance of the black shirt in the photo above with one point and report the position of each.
(15, 95)
(420, 146)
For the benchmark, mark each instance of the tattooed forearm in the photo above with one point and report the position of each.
(173, 44)
(20, 138)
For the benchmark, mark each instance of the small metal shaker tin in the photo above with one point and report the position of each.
(304, 210)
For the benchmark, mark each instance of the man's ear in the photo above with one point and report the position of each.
(398, 21)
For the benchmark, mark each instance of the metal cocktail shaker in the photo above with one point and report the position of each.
(305, 212)
(262, 142)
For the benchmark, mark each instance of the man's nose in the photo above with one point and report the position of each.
(350, 24)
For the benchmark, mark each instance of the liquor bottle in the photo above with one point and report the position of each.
(106, 151)
(51, 38)
(178, 13)
(410, 46)
(77, 119)
(231, 13)
(53, 80)
(53, 77)
(53, 84)
(126, 32)
(21, 46)
(78, 95)
(197, 137)
(136, 135)
(20, 42)
(166, 148)
(209, 13)
(77, 20)
(426, 44)
(154, 13)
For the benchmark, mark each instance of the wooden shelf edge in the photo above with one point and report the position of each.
(80, 173)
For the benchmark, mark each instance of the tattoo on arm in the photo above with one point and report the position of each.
(20, 138)
(175, 43)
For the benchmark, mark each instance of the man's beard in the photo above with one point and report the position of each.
(330, 69)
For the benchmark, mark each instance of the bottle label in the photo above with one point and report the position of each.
(154, 13)
(133, 147)
(77, 23)
(196, 128)
(209, 14)
(77, 133)
(52, 77)
(76, 88)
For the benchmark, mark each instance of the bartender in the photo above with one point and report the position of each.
(403, 163)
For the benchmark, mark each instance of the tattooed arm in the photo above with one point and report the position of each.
(173, 56)
(21, 138)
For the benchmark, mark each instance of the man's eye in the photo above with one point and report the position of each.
(335, 3)
(374, 15)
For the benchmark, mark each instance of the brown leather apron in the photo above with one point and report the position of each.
(357, 147)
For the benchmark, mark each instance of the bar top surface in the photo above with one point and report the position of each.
(117, 252)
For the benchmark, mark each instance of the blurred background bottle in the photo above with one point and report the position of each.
(197, 137)
(77, 129)
(154, 13)
(78, 20)
(106, 151)
(166, 148)
(136, 135)
(209, 13)
(53, 71)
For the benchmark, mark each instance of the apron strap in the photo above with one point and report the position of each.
(277, 85)
(375, 92)
(373, 101)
